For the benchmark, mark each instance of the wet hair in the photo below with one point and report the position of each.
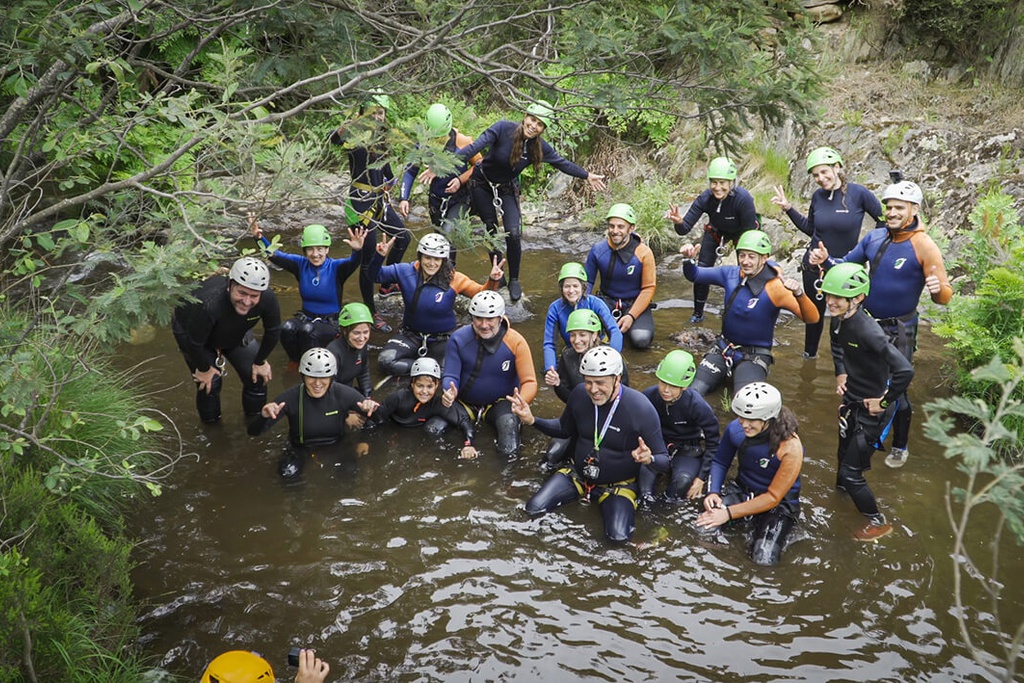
(443, 277)
(781, 428)
(533, 151)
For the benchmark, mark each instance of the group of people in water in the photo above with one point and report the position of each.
(612, 442)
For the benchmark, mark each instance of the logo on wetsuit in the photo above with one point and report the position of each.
(506, 365)
(898, 263)
(438, 297)
(752, 303)
(630, 269)
(763, 462)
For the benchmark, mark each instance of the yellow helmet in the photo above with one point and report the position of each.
(238, 666)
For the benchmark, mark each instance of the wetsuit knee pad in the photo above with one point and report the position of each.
(558, 490)
(640, 339)
(558, 451)
(254, 397)
(619, 514)
(393, 362)
(208, 404)
(850, 478)
(770, 535)
(679, 486)
(507, 427)
(435, 426)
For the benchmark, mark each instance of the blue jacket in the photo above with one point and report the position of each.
(558, 316)
(757, 467)
(320, 288)
(485, 372)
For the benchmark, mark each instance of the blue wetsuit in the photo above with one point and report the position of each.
(486, 371)
(614, 485)
(690, 429)
(628, 283)
(321, 292)
(834, 219)
(558, 317)
(727, 220)
(767, 489)
(209, 329)
(429, 316)
(898, 263)
(752, 306)
(497, 176)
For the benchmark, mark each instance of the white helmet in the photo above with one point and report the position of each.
(318, 363)
(487, 304)
(425, 366)
(601, 361)
(905, 191)
(434, 245)
(250, 272)
(757, 401)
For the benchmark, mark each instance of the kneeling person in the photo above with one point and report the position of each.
(688, 425)
(419, 405)
(615, 430)
(485, 362)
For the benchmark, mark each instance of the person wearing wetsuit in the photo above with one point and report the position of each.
(494, 187)
(368, 204)
(755, 293)
(351, 354)
(628, 276)
(615, 431)
(584, 328)
(219, 326)
(902, 262)
(429, 288)
(871, 376)
(730, 211)
(484, 363)
(419, 405)
(688, 425)
(767, 487)
(448, 198)
(321, 279)
(316, 409)
(572, 281)
(837, 212)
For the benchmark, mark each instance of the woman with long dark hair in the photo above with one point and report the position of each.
(494, 187)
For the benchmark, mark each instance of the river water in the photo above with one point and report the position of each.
(410, 565)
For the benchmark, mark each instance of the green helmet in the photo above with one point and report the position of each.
(542, 111)
(573, 269)
(755, 241)
(823, 155)
(721, 167)
(846, 280)
(439, 119)
(355, 313)
(623, 211)
(677, 369)
(583, 319)
(377, 98)
(315, 235)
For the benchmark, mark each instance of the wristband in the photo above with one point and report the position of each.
(728, 512)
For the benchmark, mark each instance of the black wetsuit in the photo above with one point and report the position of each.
(874, 368)
(691, 434)
(353, 365)
(614, 485)
(210, 327)
(403, 408)
(312, 421)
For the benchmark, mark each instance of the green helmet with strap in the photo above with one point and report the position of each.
(573, 269)
(315, 235)
(722, 167)
(439, 119)
(355, 313)
(677, 369)
(542, 111)
(823, 155)
(755, 241)
(583, 319)
(623, 211)
(846, 280)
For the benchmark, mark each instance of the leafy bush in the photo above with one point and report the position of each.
(972, 28)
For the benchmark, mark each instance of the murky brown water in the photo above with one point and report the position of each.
(410, 565)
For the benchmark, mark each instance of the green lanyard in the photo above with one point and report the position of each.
(598, 438)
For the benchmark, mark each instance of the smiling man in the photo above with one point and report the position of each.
(903, 262)
(485, 362)
(219, 326)
(628, 276)
(615, 429)
(755, 293)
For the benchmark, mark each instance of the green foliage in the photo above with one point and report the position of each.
(987, 312)
(650, 201)
(991, 458)
(972, 28)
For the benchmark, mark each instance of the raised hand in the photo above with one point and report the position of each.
(449, 396)
(272, 410)
(254, 226)
(520, 408)
(356, 237)
(674, 214)
(642, 453)
(384, 247)
(780, 200)
(497, 269)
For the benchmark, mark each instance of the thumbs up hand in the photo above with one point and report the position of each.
(932, 282)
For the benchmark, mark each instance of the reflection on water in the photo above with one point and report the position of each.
(408, 564)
